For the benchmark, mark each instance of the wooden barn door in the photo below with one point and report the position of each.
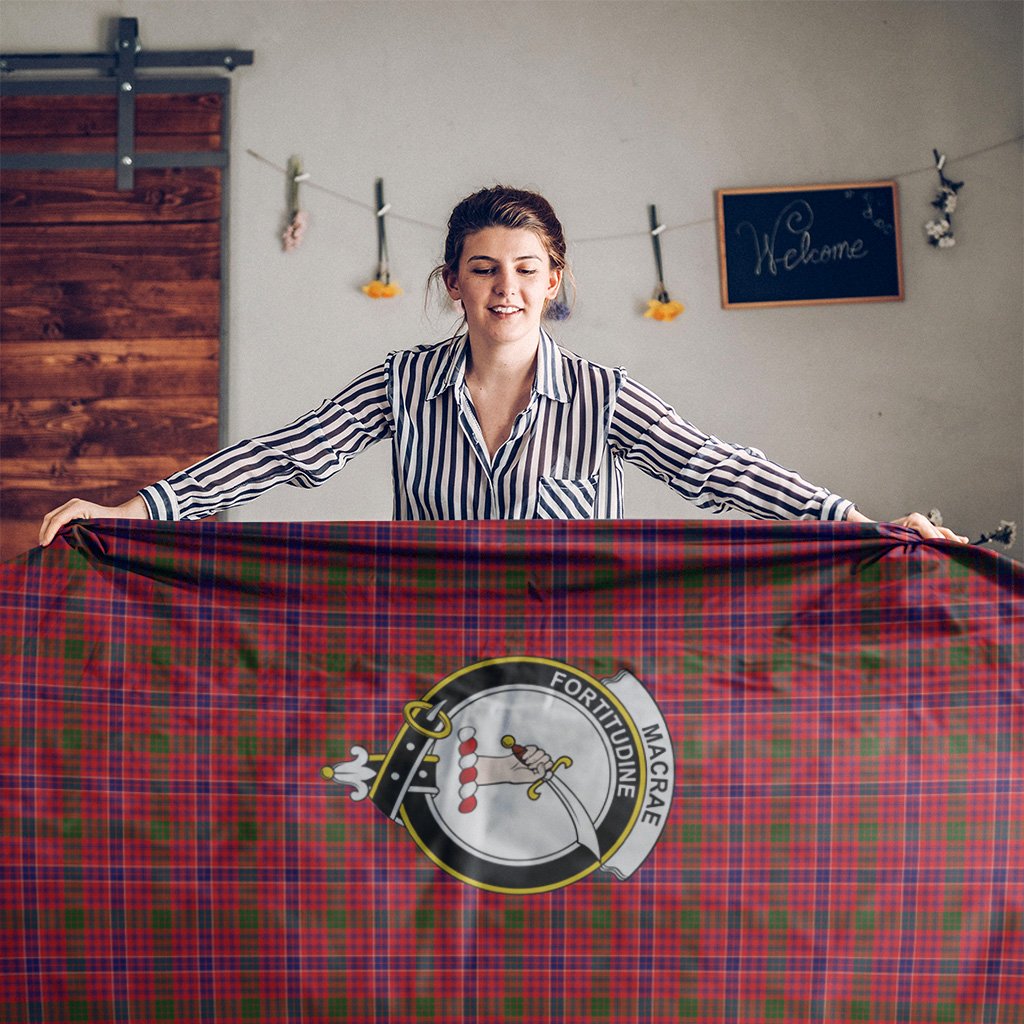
(111, 297)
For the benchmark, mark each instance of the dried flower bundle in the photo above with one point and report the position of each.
(940, 230)
(1005, 533)
(298, 219)
(381, 287)
(661, 307)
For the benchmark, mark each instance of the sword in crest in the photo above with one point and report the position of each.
(586, 832)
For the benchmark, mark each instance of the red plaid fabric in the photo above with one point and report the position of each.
(842, 839)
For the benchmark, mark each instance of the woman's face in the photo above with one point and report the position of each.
(504, 280)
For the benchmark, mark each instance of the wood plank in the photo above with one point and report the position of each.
(73, 428)
(84, 116)
(108, 144)
(118, 309)
(164, 195)
(33, 486)
(110, 369)
(74, 116)
(98, 252)
(135, 276)
(92, 471)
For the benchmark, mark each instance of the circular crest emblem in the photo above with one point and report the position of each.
(524, 775)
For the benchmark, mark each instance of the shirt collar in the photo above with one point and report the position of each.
(451, 370)
(550, 379)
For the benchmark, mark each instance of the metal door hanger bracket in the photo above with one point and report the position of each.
(122, 66)
(128, 46)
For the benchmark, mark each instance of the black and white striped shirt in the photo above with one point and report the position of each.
(562, 460)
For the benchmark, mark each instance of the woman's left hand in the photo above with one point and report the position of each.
(919, 524)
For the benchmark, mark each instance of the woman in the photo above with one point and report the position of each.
(497, 422)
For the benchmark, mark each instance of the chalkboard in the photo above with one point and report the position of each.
(814, 244)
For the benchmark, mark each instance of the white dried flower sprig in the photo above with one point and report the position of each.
(940, 233)
(940, 230)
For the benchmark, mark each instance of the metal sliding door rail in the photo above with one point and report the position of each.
(124, 82)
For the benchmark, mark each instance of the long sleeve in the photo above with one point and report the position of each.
(304, 453)
(711, 473)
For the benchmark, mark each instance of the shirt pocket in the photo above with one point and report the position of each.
(565, 498)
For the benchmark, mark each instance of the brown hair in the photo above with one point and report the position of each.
(501, 207)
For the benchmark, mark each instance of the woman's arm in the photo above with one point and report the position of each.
(305, 453)
(715, 474)
(710, 472)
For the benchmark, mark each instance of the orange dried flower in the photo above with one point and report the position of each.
(380, 290)
(665, 311)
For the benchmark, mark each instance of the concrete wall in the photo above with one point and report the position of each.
(606, 107)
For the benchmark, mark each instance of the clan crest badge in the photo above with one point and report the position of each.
(524, 775)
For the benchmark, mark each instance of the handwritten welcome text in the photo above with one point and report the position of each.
(794, 222)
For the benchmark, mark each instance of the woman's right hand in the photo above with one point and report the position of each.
(76, 508)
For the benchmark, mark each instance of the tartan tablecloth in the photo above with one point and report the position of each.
(281, 772)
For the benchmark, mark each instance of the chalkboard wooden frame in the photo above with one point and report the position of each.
(782, 245)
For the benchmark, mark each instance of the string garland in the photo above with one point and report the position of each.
(660, 308)
(311, 183)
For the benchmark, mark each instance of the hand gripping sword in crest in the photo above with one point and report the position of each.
(586, 833)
